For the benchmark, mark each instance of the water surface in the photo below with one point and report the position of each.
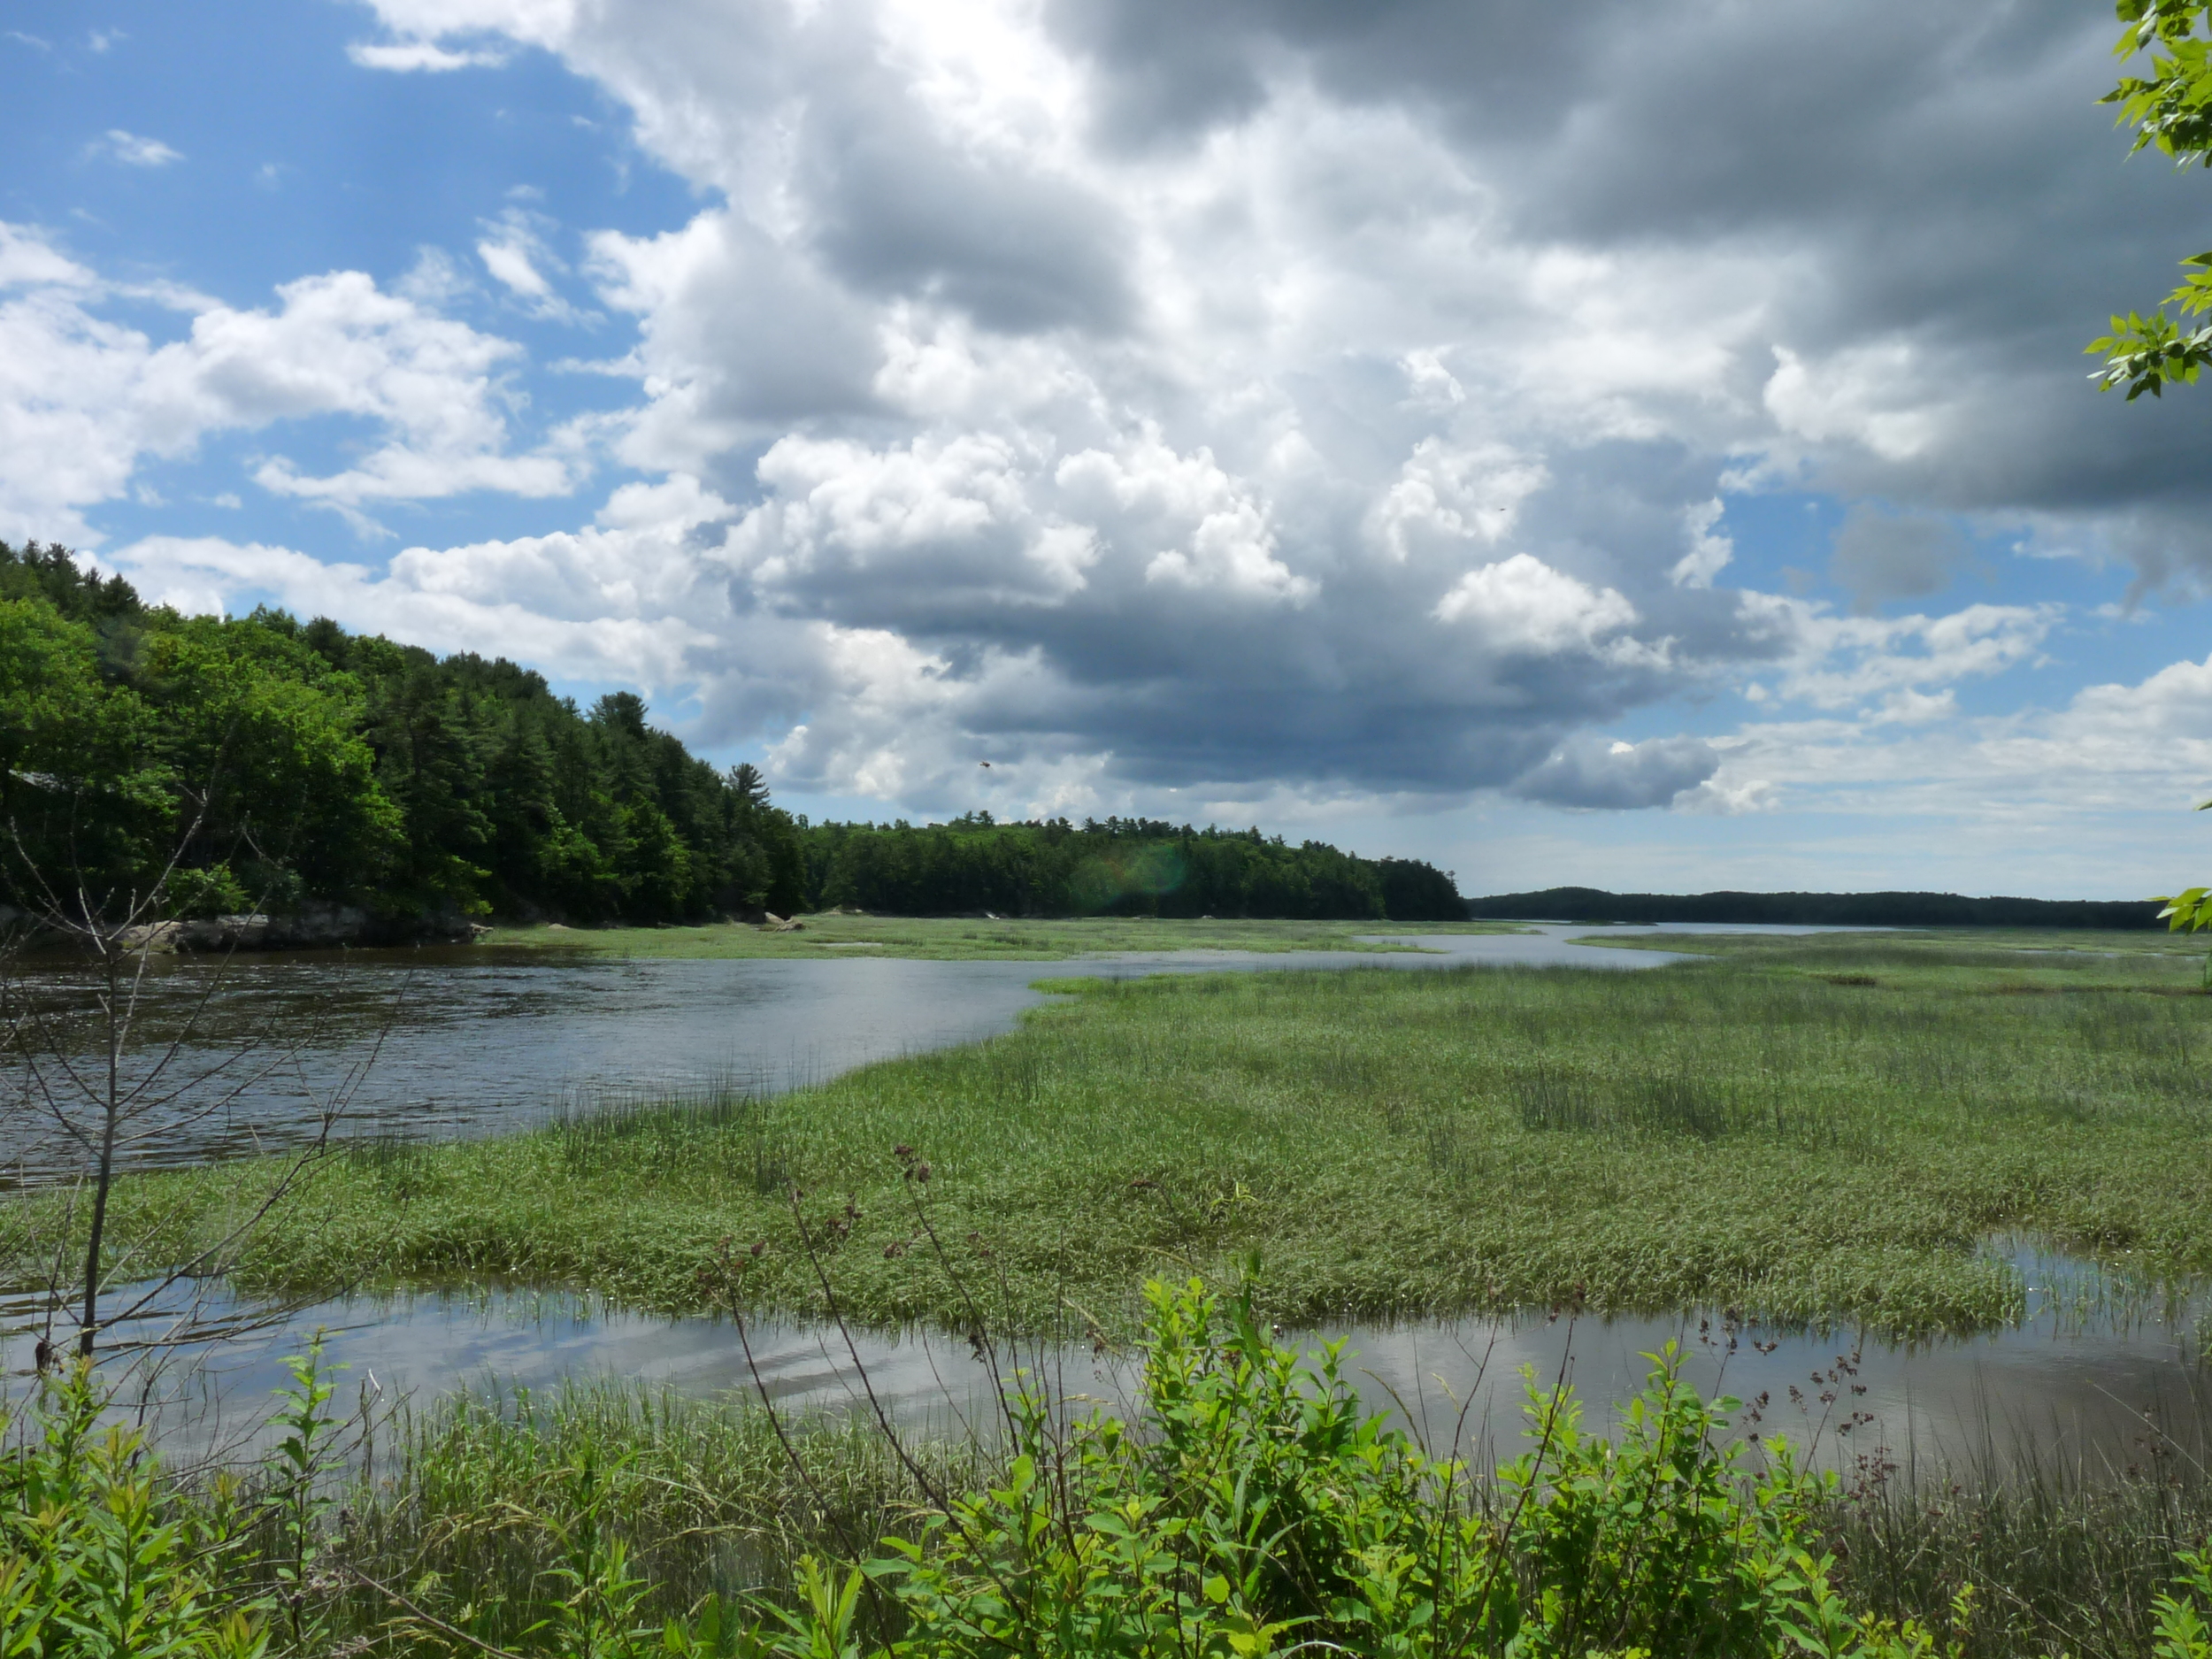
(2097, 1380)
(476, 1040)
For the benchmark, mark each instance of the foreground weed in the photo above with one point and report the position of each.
(298, 1501)
(99, 1563)
(2182, 1631)
(1254, 1509)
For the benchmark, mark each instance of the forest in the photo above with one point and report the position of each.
(1822, 909)
(261, 763)
(1120, 867)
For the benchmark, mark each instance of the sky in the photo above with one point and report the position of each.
(1642, 445)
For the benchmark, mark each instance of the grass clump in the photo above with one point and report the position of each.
(2062, 1560)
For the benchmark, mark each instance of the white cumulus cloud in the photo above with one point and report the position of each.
(83, 398)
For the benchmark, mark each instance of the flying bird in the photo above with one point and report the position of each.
(985, 764)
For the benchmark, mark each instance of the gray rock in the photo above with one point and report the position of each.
(315, 925)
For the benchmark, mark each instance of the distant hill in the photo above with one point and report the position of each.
(1861, 910)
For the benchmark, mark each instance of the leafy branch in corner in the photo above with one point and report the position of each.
(2170, 110)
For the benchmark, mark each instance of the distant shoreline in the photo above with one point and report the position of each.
(1863, 909)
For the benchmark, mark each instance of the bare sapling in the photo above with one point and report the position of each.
(146, 1061)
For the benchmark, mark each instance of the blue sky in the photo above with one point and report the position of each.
(1670, 473)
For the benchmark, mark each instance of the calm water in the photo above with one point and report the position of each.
(2097, 1383)
(478, 1040)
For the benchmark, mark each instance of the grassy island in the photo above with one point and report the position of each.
(988, 938)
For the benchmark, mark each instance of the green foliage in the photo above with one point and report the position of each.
(299, 1466)
(2171, 109)
(484, 1511)
(80, 789)
(261, 742)
(598, 1597)
(1250, 1507)
(2189, 912)
(99, 1560)
(52, 574)
(1255, 1509)
(2182, 1631)
(2148, 354)
(277, 763)
(1117, 867)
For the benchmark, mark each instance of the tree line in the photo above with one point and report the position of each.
(1804, 909)
(1117, 867)
(260, 762)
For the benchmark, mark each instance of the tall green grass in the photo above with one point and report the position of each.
(2068, 1551)
(472, 1501)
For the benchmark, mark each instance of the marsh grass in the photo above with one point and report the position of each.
(2069, 1548)
(1682, 1102)
(473, 1499)
(957, 939)
(472, 1502)
(1740, 1132)
(659, 1134)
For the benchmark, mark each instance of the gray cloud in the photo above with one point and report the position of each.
(898, 214)
(1882, 555)
(1941, 174)
(1591, 772)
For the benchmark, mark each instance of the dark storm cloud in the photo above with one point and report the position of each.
(1172, 70)
(1941, 172)
(900, 213)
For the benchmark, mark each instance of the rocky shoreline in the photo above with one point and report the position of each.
(310, 928)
